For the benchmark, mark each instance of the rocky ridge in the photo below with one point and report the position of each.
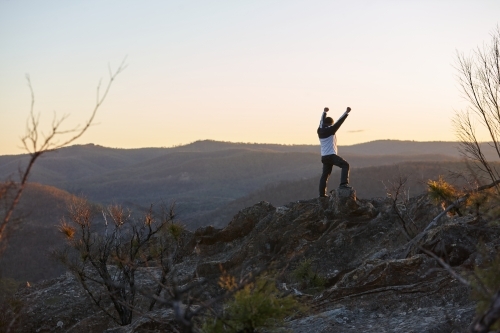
(375, 280)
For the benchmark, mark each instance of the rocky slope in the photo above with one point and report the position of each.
(375, 280)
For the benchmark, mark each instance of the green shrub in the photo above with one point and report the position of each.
(175, 229)
(486, 284)
(258, 306)
(8, 288)
(307, 277)
(480, 202)
(9, 306)
(439, 190)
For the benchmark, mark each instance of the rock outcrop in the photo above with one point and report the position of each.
(375, 280)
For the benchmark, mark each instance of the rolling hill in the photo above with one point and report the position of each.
(203, 176)
(209, 181)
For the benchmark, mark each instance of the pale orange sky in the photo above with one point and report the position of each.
(254, 71)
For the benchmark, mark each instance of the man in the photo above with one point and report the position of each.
(326, 133)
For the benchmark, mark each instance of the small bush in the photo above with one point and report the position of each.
(481, 202)
(175, 229)
(486, 284)
(257, 307)
(307, 277)
(439, 190)
(8, 288)
(67, 230)
(9, 306)
(228, 281)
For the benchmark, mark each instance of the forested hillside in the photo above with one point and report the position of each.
(43, 206)
(208, 181)
(203, 176)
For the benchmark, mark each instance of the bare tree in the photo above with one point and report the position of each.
(38, 144)
(479, 78)
(399, 195)
(127, 266)
(106, 262)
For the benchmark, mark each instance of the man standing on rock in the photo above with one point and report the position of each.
(326, 133)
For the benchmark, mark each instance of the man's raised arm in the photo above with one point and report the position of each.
(343, 117)
(323, 116)
(345, 114)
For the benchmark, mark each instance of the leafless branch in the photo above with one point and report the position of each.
(446, 266)
(37, 146)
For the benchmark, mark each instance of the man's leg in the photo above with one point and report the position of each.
(341, 163)
(327, 170)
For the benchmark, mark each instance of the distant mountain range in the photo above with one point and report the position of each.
(203, 176)
(209, 181)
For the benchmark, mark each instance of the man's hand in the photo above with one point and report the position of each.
(326, 109)
(348, 110)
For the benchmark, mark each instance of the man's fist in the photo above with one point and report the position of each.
(348, 109)
(327, 109)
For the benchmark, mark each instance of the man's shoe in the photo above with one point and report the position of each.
(324, 196)
(346, 186)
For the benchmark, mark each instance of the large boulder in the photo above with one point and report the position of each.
(343, 201)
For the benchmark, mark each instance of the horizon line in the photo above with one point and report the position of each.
(244, 143)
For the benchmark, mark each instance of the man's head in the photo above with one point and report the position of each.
(328, 121)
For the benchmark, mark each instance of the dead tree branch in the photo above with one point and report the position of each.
(36, 146)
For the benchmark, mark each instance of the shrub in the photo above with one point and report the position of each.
(175, 229)
(486, 283)
(9, 306)
(307, 277)
(481, 202)
(258, 306)
(106, 262)
(439, 190)
(8, 287)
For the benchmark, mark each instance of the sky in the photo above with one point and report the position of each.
(239, 71)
